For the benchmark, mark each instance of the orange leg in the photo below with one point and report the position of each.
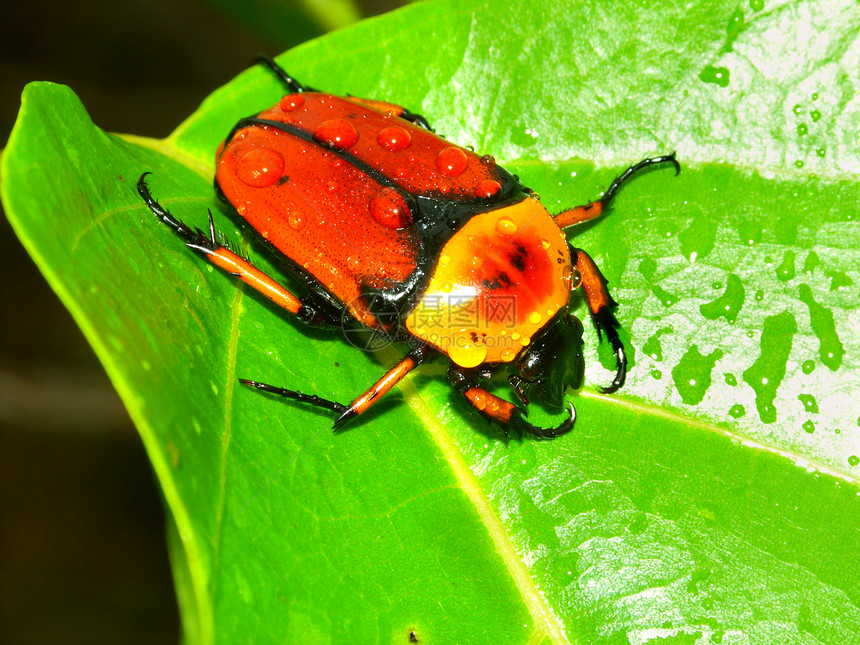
(391, 378)
(222, 257)
(383, 106)
(601, 306)
(503, 412)
(360, 405)
(586, 212)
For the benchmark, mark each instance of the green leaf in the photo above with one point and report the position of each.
(702, 504)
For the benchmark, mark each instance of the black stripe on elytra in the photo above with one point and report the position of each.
(509, 185)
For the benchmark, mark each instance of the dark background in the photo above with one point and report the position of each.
(83, 557)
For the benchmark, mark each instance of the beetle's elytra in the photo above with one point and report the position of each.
(397, 230)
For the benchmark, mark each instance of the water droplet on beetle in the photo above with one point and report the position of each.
(508, 354)
(333, 187)
(292, 102)
(488, 160)
(544, 244)
(488, 188)
(260, 167)
(451, 162)
(338, 133)
(535, 318)
(572, 277)
(390, 209)
(394, 138)
(296, 220)
(468, 354)
(506, 226)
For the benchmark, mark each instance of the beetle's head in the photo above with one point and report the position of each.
(554, 359)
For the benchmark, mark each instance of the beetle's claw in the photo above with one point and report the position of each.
(518, 423)
(621, 371)
(348, 414)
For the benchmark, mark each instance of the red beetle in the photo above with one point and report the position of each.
(396, 230)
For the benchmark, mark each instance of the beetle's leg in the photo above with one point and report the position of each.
(225, 259)
(586, 212)
(394, 110)
(391, 378)
(313, 399)
(292, 84)
(503, 412)
(601, 306)
(346, 412)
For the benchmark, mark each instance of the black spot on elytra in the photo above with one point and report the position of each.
(283, 180)
(518, 257)
(499, 281)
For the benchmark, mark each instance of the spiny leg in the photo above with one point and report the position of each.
(503, 412)
(295, 86)
(362, 403)
(292, 84)
(586, 212)
(601, 306)
(222, 257)
(396, 110)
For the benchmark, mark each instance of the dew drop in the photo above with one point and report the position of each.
(535, 318)
(756, 5)
(544, 244)
(854, 460)
(797, 109)
(731, 380)
(821, 152)
(759, 295)
(488, 160)
(467, 354)
(390, 210)
(809, 426)
(451, 162)
(296, 220)
(802, 129)
(292, 102)
(815, 96)
(798, 164)
(815, 114)
(508, 354)
(506, 226)
(260, 168)
(338, 133)
(488, 188)
(807, 367)
(394, 138)
(657, 374)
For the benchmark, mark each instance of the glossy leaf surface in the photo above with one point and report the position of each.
(714, 500)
